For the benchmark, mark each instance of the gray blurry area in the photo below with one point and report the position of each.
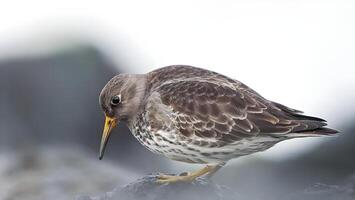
(51, 124)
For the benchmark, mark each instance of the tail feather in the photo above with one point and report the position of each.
(306, 117)
(309, 126)
(321, 131)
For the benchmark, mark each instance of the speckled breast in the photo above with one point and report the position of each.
(164, 142)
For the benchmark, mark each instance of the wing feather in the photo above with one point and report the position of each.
(213, 106)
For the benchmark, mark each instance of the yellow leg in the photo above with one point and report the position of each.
(188, 178)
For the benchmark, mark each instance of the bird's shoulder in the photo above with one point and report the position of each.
(201, 102)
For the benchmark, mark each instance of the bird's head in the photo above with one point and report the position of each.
(120, 100)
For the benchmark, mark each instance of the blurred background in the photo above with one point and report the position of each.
(55, 57)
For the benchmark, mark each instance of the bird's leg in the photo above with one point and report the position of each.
(189, 177)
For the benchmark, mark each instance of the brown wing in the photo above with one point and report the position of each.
(229, 113)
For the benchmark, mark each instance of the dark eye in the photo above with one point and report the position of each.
(116, 100)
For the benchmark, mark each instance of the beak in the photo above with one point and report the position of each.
(110, 123)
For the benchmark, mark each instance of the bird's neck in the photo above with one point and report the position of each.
(140, 86)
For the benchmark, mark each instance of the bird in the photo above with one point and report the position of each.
(195, 115)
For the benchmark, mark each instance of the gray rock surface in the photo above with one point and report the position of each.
(320, 191)
(146, 188)
(57, 173)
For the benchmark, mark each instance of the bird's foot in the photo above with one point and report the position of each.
(163, 179)
(186, 177)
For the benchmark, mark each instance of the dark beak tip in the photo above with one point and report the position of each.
(101, 155)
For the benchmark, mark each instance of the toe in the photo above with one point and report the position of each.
(162, 181)
(184, 174)
(174, 179)
(163, 177)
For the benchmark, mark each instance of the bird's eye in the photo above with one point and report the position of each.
(116, 100)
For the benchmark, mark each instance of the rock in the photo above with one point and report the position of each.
(146, 188)
(58, 173)
(323, 191)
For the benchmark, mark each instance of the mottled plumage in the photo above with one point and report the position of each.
(198, 116)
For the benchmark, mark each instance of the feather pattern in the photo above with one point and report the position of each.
(206, 104)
